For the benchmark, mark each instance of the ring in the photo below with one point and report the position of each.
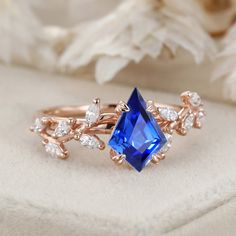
(140, 132)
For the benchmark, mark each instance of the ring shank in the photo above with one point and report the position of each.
(74, 111)
(80, 111)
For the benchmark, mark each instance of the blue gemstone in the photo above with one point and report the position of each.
(137, 134)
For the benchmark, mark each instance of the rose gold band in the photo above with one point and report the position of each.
(59, 125)
(108, 114)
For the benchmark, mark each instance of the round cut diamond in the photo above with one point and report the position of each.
(188, 122)
(89, 141)
(53, 149)
(62, 129)
(195, 99)
(168, 113)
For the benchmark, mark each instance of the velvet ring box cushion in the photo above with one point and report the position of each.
(187, 194)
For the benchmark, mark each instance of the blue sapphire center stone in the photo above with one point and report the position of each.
(137, 135)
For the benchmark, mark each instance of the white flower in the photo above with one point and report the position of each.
(18, 30)
(137, 28)
(21, 35)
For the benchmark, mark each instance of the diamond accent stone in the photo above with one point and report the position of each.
(62, 129)
(168, 114)
(53, 149)
(188, 122)
(89, 141)
(167, 146)
(38, 125)
(194, 99)
(137, 134)
(200, 117)
(92, 114)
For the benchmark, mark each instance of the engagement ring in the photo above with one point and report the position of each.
(140, 132)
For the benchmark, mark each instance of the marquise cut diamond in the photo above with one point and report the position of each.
(89, 141)
(195, 99)
(201, 116)
(62, 129)
(38, 125)
(188, 122)
(53, 149)
(92, 114)
(168, 114)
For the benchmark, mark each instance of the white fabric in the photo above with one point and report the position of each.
(88, 194)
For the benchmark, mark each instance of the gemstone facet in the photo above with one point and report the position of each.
(137, 134)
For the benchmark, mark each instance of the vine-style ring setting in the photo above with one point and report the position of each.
(141, 132)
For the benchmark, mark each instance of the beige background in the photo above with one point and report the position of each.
(192, 192)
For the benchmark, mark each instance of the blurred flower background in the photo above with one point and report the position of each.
(85, 39)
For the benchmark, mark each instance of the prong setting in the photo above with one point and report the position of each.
(96, 101)
(116, 157)
(122, 107)
(157, 157)
(151, 107)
